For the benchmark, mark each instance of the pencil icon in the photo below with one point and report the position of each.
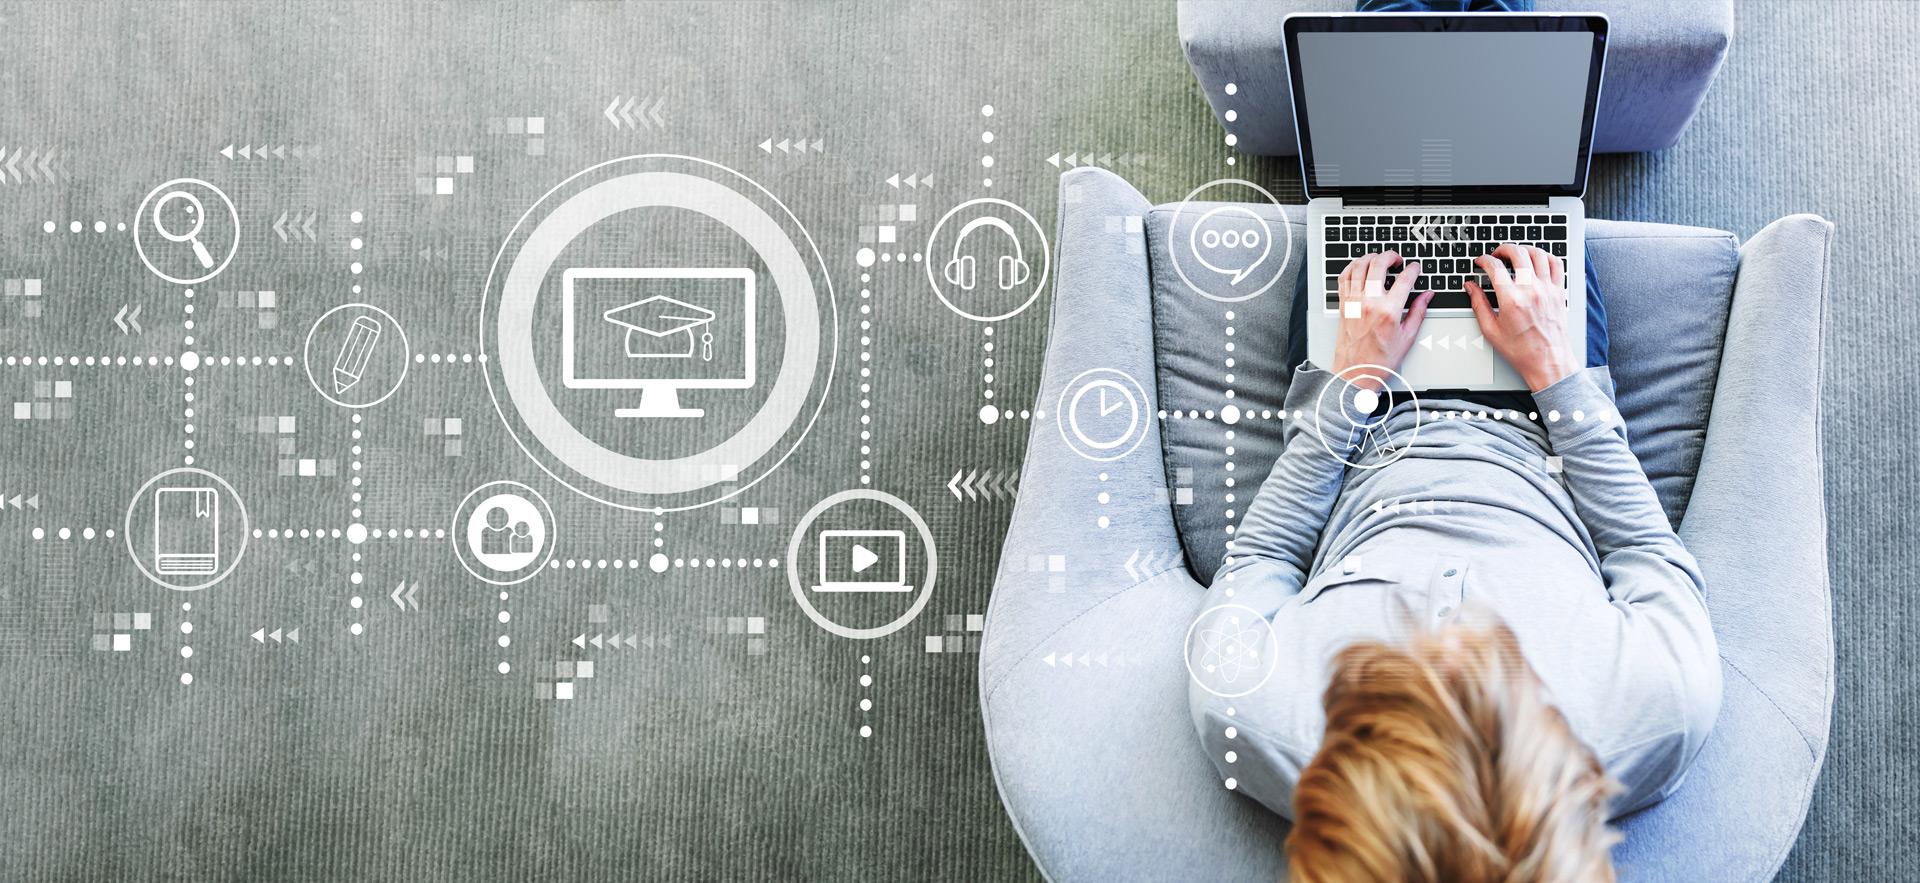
(355, 352)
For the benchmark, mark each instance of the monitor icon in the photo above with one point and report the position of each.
(657, 330)
(863, 561)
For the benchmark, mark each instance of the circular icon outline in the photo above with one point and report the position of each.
(1286, 251)
(1064, 415)
(1039, 279)
(1393, 380)
(1271, 665)
(794, 581)
(246, 529)
(827, 318)
(1133, 414)
(459, 535)
(306, 355)
(141, 218)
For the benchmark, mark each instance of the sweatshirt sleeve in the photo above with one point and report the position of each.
(1666, 636)
(1274, 544)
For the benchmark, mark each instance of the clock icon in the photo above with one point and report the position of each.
(1103, 414)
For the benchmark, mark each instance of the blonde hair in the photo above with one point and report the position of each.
(1443, 761)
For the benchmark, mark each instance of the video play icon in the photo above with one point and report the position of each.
(849, 562)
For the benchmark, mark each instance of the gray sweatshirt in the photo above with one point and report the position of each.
(1554, 530)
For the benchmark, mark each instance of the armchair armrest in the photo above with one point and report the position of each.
(1757, 521)
(1065, 553)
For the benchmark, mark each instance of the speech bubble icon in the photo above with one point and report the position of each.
(1231, 242)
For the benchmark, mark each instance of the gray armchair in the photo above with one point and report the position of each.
(1717, 355)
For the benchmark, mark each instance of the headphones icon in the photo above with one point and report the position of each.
(1013, 267)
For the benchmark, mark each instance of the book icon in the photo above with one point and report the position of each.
(186, 530)
(355, 351)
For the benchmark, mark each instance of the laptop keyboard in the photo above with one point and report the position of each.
(1445, 246)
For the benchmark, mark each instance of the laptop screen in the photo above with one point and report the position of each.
(1441, 109)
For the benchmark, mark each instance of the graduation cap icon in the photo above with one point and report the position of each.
(661, 327)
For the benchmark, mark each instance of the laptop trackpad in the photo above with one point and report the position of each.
(1449, 354)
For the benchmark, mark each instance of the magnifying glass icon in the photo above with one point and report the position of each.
(192, 235)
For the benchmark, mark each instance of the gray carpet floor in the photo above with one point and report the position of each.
(403, 756)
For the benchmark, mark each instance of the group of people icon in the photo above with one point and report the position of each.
(499, 539)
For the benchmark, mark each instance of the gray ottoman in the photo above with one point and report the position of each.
(1716, 355)
(1661, 57)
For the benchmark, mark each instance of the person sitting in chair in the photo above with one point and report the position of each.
(1464, 691)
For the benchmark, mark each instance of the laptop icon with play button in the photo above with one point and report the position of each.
(863, 561)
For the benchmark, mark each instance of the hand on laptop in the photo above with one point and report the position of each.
(1530, 327)
(1372, 330)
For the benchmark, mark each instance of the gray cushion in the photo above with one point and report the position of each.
(1661, 58)
(1667, 291)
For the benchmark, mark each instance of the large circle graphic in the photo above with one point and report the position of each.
(517, 381)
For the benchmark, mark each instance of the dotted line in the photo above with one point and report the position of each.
(991, 415)
(186, 439)
(81, 226)
(1230, 415)
(335, 533)
(986, 365)
(449, 358)
(1233, 414)
(68, 533)
(1231, 115)
(989, 412)
(187, 403)
(866, 702)
(91, 361)
(356, 578)
(1231, 757)
(355, 452)
(866, 382)
(246, 361)
(1104, 498)
(658, 563)
(186, 312)
(189, 360)
(356, 243)
(355, 483)
(356, 602)
(505, 617)
(186, 649)
(356, 628)
(357, 217)
(986, 137)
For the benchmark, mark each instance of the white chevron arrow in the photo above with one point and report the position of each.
(128, 322)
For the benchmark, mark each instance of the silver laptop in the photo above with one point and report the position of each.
(1440, 136)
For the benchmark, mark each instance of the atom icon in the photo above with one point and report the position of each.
(1225, 650)
(1230, 650)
